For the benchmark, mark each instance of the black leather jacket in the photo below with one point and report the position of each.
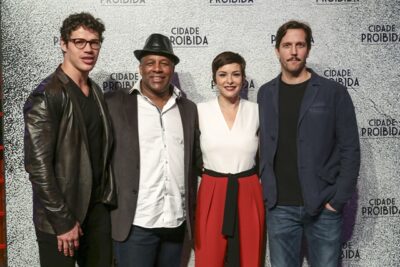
(57, 155)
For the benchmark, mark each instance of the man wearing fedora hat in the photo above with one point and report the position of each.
(156, 132)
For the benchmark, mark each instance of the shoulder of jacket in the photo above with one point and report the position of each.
(327, 83)
(120, 93)
(269, 83)
(184, 101)
(51, 88)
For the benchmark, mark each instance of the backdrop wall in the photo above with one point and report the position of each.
(356, 42)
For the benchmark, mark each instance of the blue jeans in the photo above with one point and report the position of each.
(149, 247)
(286, 225)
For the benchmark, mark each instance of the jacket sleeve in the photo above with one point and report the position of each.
(41, 112)
(348, 144)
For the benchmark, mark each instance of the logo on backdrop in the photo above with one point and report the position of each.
(343, 76)
(336, 2)
(231, 2)
(350, 252)
(376, 34)
(380, 207)
(122, 2)
(188, 37)
(56, 41)
(126, 80)
(120, 80)
(248, 86)
(273, 40)
(380, 128)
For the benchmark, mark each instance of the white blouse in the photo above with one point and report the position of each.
(228, 150)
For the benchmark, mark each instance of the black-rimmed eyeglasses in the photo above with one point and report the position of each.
(81, 43)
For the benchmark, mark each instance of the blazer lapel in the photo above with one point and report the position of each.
(76, 109)
(275, 94)
(106, 122)
(187, 135)
(309, 96)
(130, 104)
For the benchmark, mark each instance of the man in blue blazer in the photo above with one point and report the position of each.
(309, 154)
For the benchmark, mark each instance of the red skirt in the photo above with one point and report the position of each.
(210, 242)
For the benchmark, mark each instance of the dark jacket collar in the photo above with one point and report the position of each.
(309, 95)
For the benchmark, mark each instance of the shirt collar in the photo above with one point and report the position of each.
(176, 92)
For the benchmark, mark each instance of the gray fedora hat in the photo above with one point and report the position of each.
(157, 44)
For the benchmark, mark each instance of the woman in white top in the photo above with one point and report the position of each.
(230, 209)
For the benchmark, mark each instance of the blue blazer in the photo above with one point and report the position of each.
(328, 146)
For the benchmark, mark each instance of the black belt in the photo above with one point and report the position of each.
(230, 225)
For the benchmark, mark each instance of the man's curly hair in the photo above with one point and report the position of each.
(85, 20)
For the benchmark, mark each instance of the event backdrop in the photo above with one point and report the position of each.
(356, 42)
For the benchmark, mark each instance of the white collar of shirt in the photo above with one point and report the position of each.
(176, 92)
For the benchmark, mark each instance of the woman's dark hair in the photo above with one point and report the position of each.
(225, 58)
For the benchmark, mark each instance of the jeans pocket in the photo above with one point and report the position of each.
(332, 213)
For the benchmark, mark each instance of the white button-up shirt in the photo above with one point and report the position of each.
(161, 199)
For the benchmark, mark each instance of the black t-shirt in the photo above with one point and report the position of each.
(285, 164)
(94, 129)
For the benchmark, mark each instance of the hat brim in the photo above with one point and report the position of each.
(141, 53)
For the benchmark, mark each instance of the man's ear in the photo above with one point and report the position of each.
(63, 45)
(140, 68)
(277, 53)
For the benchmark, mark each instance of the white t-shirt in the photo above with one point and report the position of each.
(228, 150)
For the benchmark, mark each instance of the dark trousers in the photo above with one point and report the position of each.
(149, 247)
(95, 246)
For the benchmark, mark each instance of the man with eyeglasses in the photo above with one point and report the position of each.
(67, 145)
